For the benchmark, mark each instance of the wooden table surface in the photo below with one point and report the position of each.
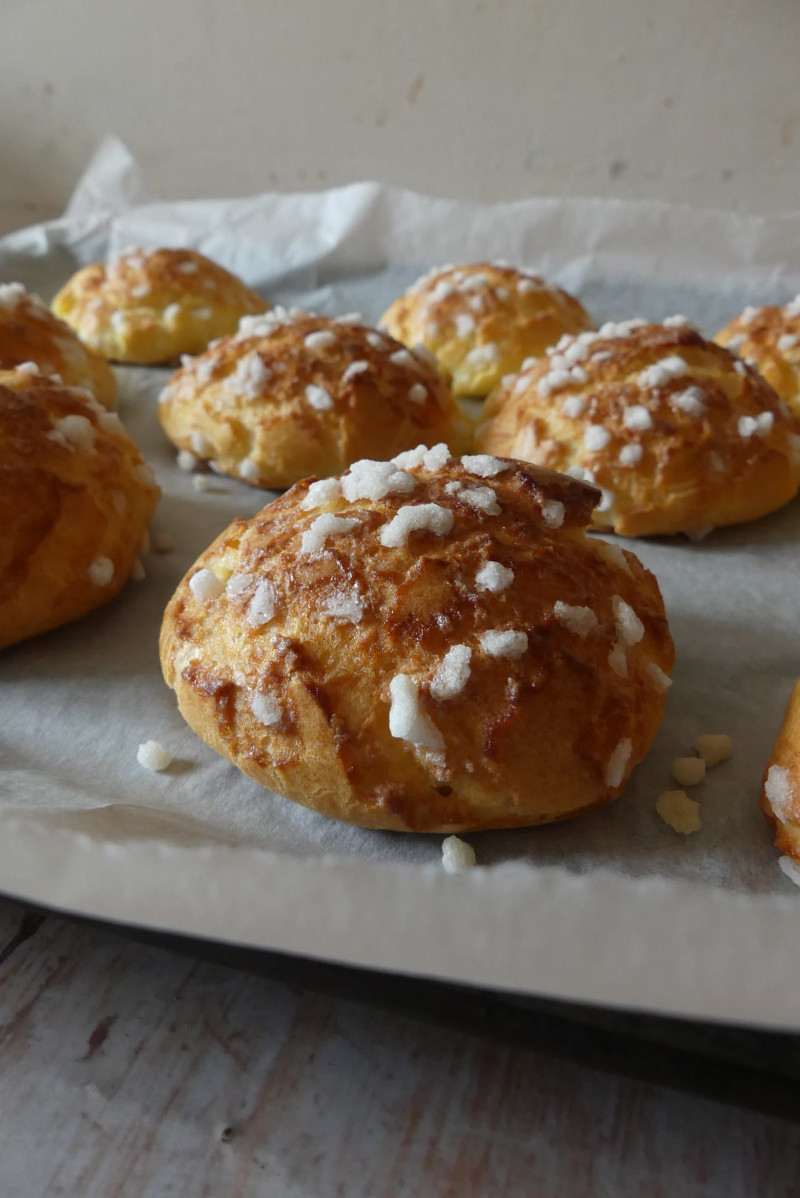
(130, 1070)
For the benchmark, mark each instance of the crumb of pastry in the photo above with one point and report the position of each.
(457, 855)
(688, 771)
(163, 542)
(713, 747)
(138, 573)
(153, 756)
(679, 811)
(790, 868)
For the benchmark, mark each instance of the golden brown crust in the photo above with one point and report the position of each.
(482, 321)
(150, 306)
(780, 786)
(701, 440)
(30, 333)
(769, 339)
(75, 501)
(293, 394)
(290, 671)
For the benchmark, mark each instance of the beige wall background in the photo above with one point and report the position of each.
(692, 100)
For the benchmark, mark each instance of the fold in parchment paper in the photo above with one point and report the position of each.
(613, 907)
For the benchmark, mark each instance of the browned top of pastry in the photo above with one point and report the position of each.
(75, 500)
(480, 321)
(150, 306)
(769, 339)
(293, 394)
(432, 643)
(31, 336)
(677, 432)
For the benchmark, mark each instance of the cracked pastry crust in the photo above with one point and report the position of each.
(147, 307)
(293, 394)
(769, 339)
(32, 336)
(429, 645)
(75, 501)
(679, 434)
(483, 321)
(780, 787)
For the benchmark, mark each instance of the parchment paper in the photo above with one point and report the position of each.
(613, 907)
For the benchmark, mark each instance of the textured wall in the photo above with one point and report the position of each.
(697, 100)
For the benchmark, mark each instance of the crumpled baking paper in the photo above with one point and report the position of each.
(613, 907)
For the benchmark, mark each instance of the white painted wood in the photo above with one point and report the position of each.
(123, 1065)
(469, 98)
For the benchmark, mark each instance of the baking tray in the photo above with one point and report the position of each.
(610, 910)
